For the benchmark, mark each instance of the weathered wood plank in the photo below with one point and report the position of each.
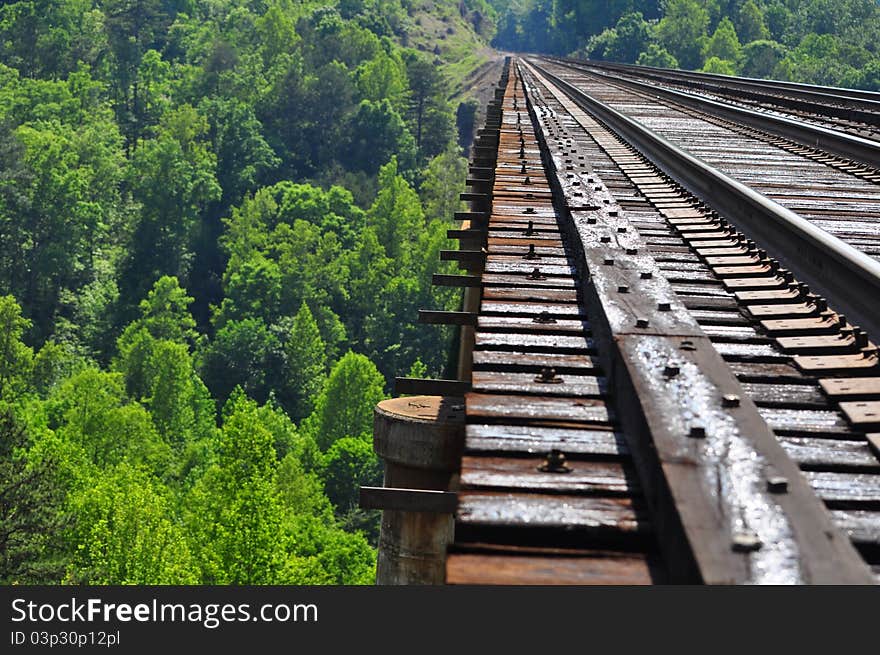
(603, 569)
(598, 478)
(592, 514)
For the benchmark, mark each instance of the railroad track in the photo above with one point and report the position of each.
(847, 110)
(653, 397)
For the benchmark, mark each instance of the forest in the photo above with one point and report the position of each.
(832, 42)
(217, 223)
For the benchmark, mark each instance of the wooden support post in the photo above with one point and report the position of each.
(420, 439)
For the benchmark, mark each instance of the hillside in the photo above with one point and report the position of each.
(833, 42)
(217, 223)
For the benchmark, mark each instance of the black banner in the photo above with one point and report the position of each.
(369, 619)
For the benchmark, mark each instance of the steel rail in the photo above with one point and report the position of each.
(820, 104)
(830, 266)
(838, 94)
(831, 141)
(683, 435)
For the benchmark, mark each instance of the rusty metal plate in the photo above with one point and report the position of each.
(741, 271)
(704, 238)
(767, 296)
(716, 251)
(748, 283)
(683, 213)
(862, 412)
(782, 310)
(699, 230)
(825, 363)
(732, 260)
(795, 326)
(849, 387)
(826, 344)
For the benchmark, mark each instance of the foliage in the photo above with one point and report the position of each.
(217, 222)
(833, 42)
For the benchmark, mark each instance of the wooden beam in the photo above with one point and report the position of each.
(408, 500)
(441, 280)
(433, 317)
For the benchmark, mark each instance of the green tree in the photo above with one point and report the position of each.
(682, 30)
(719, 66)
(750, 23)
(345, 405)
(631, 37)
(377, 132)
(174, 181)
(16, 359)
(444, 181)
(164, 316)
(58, 199)
(430, 117)
(124, 533)
(91, 411)
(760, 58)
(723, 44)
(306, 363)
(396, 214)
(132, 27)
(243, 353)
(234, 513)
(657, 56)
(349, 463)
(30, 516)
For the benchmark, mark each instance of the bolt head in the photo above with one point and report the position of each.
(730, 400)
(746, 542)
(777, 484)
(664, 306)
(671, 370)
(555, 463)
(697, 432)
(646, 275)
(642, 322)
(623, 289)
